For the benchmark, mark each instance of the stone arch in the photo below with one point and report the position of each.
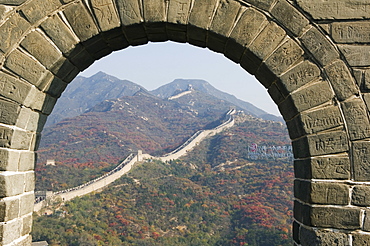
(45, 44)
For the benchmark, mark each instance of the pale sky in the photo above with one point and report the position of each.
(156, 64)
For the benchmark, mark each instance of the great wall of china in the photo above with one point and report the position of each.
(43, 197)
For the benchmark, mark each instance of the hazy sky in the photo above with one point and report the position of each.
(156, 64)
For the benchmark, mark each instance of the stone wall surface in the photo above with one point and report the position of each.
(311, 55)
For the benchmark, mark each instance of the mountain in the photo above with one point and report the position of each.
(84, 93)
(179, 85)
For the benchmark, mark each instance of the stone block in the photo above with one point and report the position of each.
(357, 120)
(11, 31)
(136, 35)
(322, 238)
(296, 232)
(59, 33)
(5, 137)
(9, 111)
(301, 212)
(156, 32)
(27, 161)
(275, 93)
(178, 11)
(360, 239)
(202, 13)
(115, 39)
(9, 209)
(34, 12)
(26, 203)
(361, 161)
(322, 119)
(320, 47)
(12, 2)
(11, 184)
(222, 24)
(13, 88)
(53, 85)
(81, 21)
(334, 9)
(366, 225)
(321, 193)
(9, 160)
(246, 29)
(26, 225)
(267, 41)
(262, 4)
(356, 55)
(10, 231)
(320, 144)
(26, 241)
(177, 33)
(81, 58)
(40, 48)
(336, 217)
(283, 58)
(21, 140)
(361, 195)
(64, 70)
(154, 10)
(25, 67)
(97, 47)
(35, 99)
(106, 14)
(290, 17)
(29, 181)
(30, 120)
(351, 32)
(197, 36)
(297, 76)
(129, 12)
(323, 168)
(314, 95)
(49, 104)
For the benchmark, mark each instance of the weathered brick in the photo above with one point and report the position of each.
(26, 225)
(178, 11)
(26, 203)
(59, 33)
(9, 209)
(106, 14)
(13, 88)
(9, 160)
(355, 113)
(309, 97)
(9, 112)
(34, 12)
(30, 120)
(356, 55)
(29, 182)
(320, 144)
(199, 20)
(40, 48)
(221, 25)
(322, 238)
(22, 140)
(351, 32)
(81, 58)
(275, 93)
(27, 161)
(334, 9)
(361, 160)
(290, 17)
(11, 184)
(25, 66)
(263, 4)
(11, 31)
(154, 10)
(361, 195)
(321, 193)
(5, 137)
(10, 231)
(315, 121)
(296, 232)
(282, 59)
(81, 21)
(323, 168)
(336, 217)
(297, 76)
(54, 86)
(97, 47)
(129, 11)
(246, 29)
(360, 239)
(319, 46)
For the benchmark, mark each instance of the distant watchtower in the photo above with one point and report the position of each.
(139, 155)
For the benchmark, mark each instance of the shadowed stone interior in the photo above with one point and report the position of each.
(311, 55)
